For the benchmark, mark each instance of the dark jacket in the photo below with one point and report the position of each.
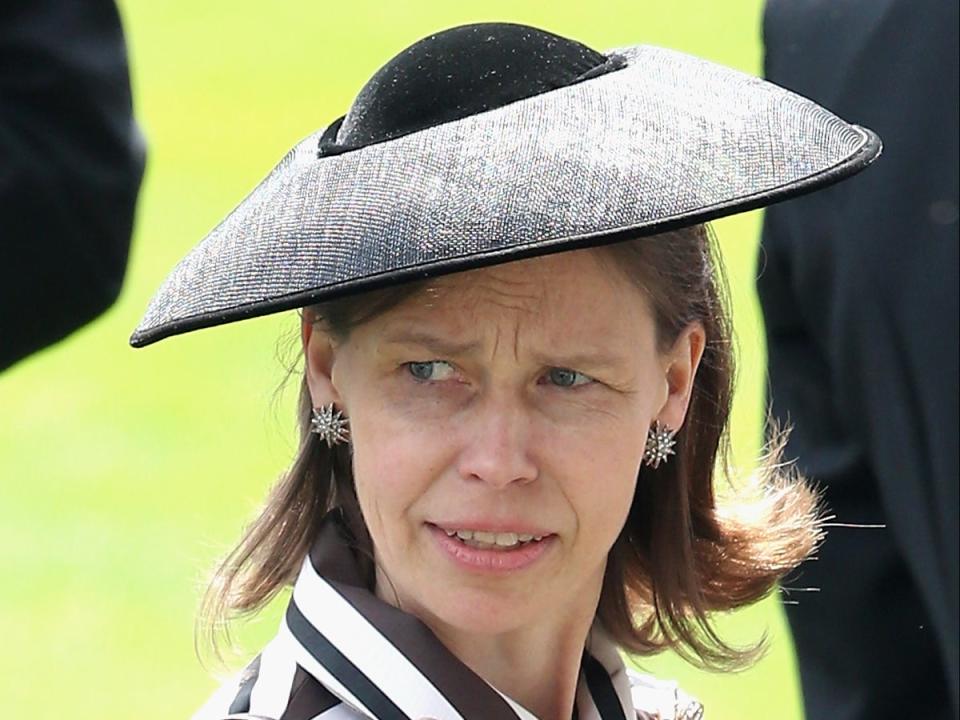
(859, 290)
(71, 160)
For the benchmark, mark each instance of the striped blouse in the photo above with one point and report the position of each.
(343, 654)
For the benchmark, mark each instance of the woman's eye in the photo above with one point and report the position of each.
(565, 377)
(431, 370)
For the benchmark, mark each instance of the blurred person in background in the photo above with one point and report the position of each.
(71, 160)
(517, 381)
(858, 286)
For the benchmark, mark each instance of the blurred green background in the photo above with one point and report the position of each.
(124, 474)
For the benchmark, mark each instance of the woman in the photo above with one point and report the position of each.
(517, 380)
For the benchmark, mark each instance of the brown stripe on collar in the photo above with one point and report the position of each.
(308, 698)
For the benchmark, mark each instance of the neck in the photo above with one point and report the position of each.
(544, 682)
(536, 664)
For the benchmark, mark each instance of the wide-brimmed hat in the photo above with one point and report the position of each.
(488, 143)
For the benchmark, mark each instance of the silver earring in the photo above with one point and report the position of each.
(330, 424)
(660, 442)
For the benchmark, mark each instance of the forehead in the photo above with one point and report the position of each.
(572, 291)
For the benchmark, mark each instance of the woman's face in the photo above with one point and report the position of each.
(498, 423)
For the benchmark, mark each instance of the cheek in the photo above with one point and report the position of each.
(394, 462)
(600, 484)
(602, 503)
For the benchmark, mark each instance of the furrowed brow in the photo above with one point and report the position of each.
(432, 343)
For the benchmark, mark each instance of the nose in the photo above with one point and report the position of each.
(496, 448)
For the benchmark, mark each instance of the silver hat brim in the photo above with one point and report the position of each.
(670, 140)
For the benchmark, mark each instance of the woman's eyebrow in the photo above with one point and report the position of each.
(600, 359)
(433, 343)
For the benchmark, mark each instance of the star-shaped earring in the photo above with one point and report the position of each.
(330, 424)
(660, 442)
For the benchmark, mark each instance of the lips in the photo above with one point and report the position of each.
(491, 550)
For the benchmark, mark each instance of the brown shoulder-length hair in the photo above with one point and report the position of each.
(686, 551)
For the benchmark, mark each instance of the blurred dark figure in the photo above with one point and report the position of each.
(859, 288)
(71, 160)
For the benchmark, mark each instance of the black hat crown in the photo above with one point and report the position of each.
(460, 72)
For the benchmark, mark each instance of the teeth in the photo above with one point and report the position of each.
(481, 538)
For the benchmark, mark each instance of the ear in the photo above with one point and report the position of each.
(318, 351)
(680, 367)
